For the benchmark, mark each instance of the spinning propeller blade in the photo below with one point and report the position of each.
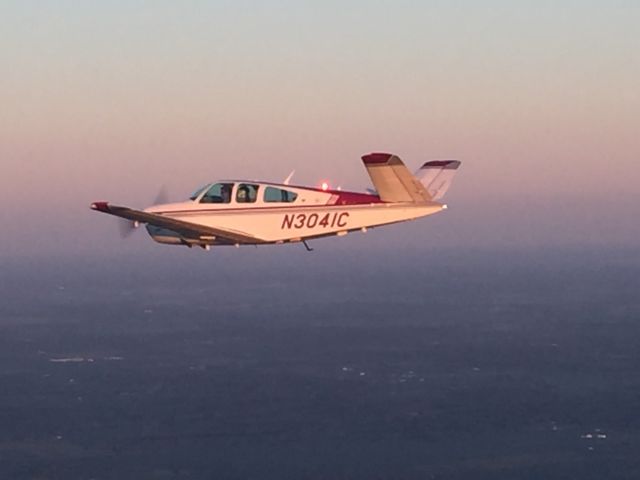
(127, 227)
(162, 196)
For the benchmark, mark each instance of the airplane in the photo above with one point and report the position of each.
(247, 212)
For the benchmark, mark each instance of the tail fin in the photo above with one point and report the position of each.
(393, 181)
(436, 176)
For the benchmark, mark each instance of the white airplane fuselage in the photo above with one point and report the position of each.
(314, 213)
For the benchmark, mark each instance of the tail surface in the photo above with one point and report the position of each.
(436, 176)
(395, 183)
(392, 180)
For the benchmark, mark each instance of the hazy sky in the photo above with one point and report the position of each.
(109, 100)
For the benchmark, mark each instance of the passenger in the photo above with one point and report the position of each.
(243, 195)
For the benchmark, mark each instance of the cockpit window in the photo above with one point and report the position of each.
(218, 193)
(198, 192)
(246, 193)
(272, 194)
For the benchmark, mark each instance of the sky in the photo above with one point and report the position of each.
(110, 100)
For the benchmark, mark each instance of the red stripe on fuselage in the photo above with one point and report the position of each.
(343, 199)
(354, 198)
(350, 198)
(261, 209)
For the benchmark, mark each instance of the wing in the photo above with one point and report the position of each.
(186, 229)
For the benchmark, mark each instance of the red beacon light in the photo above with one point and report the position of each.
(324, 186)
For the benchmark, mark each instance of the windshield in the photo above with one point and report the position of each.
(197, 193)
(218, 193)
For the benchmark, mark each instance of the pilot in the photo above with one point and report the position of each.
(225, 193)
(243, 194)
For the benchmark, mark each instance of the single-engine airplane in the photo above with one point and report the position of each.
(246, 212)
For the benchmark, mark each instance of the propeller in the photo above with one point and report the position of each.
(127, 227)
(162, 196)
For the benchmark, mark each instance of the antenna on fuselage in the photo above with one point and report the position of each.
(288, 179)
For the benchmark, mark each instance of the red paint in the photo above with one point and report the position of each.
(100, 206)
(345, 198)
(325, 220)
(354, 198)
(302, 220)
(442, 163)
(339, 198)
(374, 158)
(287, 221)
(313, 220)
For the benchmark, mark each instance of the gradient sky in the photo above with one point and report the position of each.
(109, 100)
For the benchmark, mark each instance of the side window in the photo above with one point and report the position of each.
(218, 193)
(247, 193)
(272, 194)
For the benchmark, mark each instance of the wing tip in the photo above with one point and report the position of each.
(377, 158)
(100, 206)
(446, 164)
